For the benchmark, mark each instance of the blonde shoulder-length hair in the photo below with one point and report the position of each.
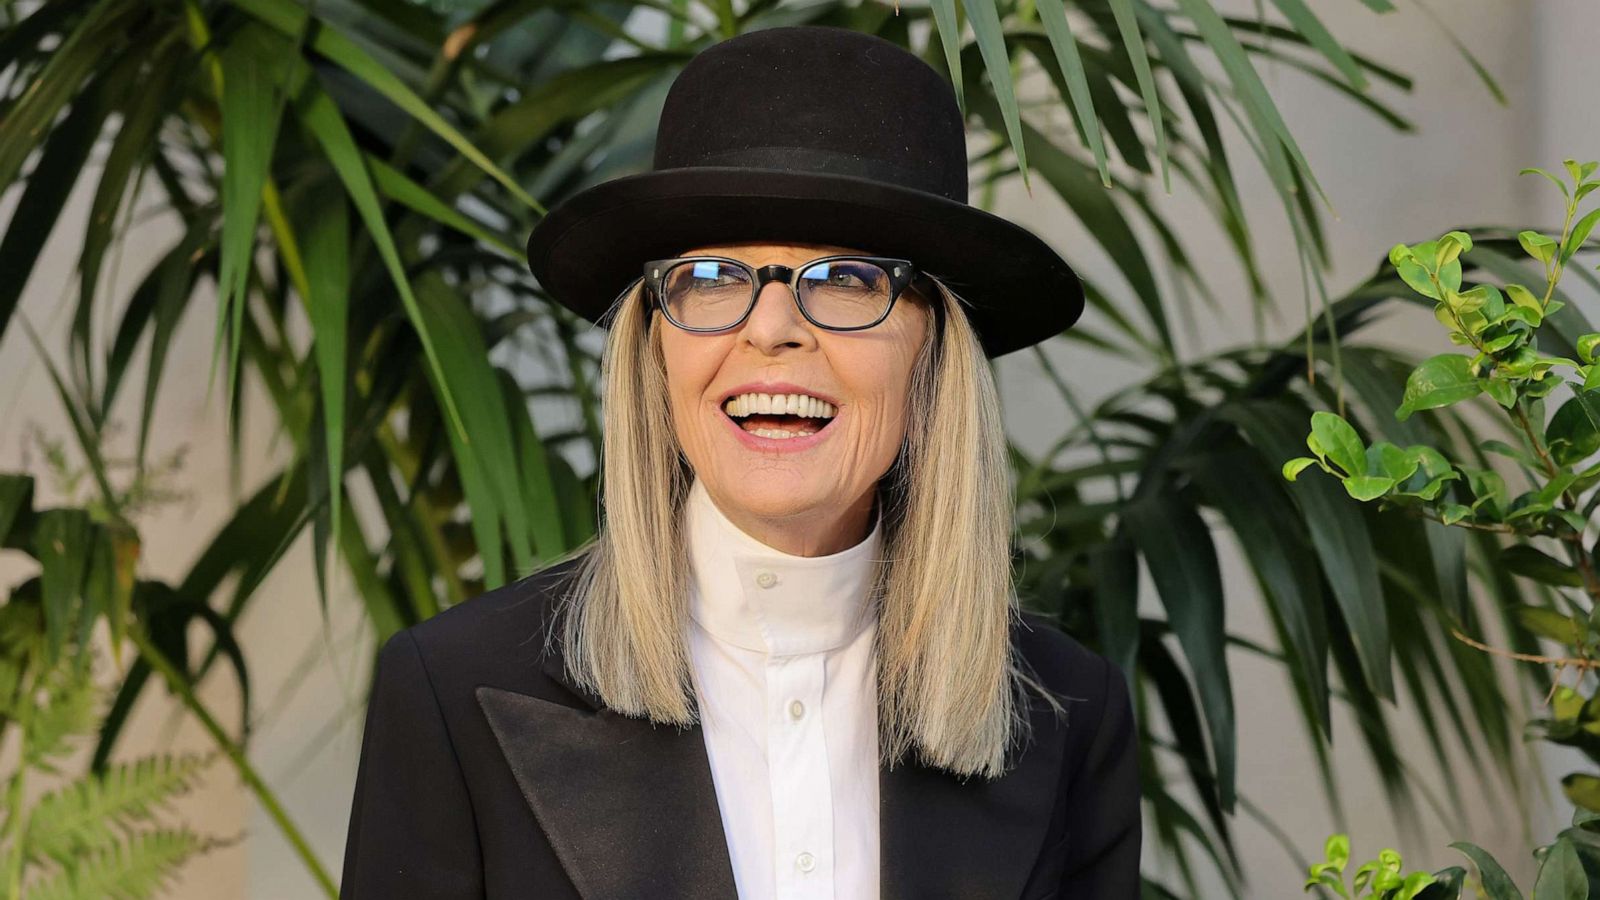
(950, 683)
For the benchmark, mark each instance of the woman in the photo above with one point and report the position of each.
(791, 664)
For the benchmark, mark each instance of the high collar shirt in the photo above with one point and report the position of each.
(783, 663)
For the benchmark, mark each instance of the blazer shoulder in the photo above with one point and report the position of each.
(1093, 690)
(1060, 660)
(506, 625)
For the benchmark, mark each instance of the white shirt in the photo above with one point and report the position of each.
(783, 662)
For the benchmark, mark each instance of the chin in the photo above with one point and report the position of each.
(774, 495)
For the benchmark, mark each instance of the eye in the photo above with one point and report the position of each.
(846, 274)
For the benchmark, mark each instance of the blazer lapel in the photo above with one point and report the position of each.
(631, 809)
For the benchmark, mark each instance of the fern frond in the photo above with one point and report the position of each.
(134, 870)
(75, 818)
(72, 709)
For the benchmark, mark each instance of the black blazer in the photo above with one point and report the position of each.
(485, 774)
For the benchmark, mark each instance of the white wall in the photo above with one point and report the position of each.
(1459, 169)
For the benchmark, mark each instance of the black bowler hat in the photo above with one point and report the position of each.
(809, 134)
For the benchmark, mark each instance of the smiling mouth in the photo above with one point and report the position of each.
(758, 414)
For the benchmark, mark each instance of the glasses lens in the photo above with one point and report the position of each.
(706, 294)
(845, 293)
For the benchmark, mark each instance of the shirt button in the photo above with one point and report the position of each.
(766, 579)
(796, 709)
(805, 861)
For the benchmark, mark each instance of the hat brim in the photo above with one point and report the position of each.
(590, 248)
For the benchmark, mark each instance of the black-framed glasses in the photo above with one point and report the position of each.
(837, 293)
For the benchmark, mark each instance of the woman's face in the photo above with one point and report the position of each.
(805, 495)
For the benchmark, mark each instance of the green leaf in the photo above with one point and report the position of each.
(1533, 316)
(61, 543)
(1565, 630)
(1384, 458)
(1501, 391)
(1074, 182)
(1367, 487)
(1538, 246)
(1052, 13)
(1114, 565)
(1236, 481)
(1133, 42)
(1495, 880)
(492, 448)
(1336, 850)
(1523, 297)
(1294, 466)
(1447, 885)
(1561, 875)
(985, 19)
(1534, 170)
(1317, 35)
(95, 39)
(253, 73)
(1177, 549)
(1413, 885)
(1440, 381)
(535, 475)
(1416, 277)
(322, 119)
(1494, 302)
(289, 18)
(1251, 92)
(1340, 441)
(44, 196)
(1338, 533)
(396, 186)
(1579, 234)
(1573, 434)
(944, 18)
(1450, 247)
(1584, 792)
(327, 267)
(1495, 445)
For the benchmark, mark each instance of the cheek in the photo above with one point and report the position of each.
(687, 366)
(690, 365)
(886, 378)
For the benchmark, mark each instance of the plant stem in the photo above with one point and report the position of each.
(1462, 523)
(160, 663)
(1579, 662)
(1555, 273)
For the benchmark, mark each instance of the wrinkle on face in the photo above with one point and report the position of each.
(816, 501)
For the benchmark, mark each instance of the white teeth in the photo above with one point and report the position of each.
(774, 404)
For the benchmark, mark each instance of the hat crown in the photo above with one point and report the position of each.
(816, 99)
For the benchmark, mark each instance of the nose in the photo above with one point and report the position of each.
(776, 321)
